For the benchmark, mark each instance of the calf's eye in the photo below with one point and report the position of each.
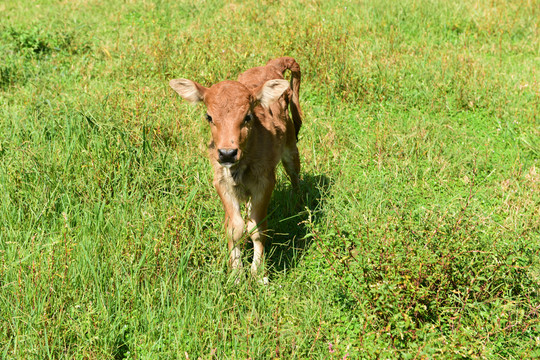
(248, 118)
(208, 118)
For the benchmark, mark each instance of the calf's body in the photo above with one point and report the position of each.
(251, 133)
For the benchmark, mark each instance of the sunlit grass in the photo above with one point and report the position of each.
(417, 230)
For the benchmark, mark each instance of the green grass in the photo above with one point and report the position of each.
(417, 231)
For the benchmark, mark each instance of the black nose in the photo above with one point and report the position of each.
(227, 155)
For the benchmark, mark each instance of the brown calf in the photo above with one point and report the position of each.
(251, 133)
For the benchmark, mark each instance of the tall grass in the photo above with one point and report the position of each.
(416, 233)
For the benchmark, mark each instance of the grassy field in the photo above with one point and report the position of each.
(417, 231)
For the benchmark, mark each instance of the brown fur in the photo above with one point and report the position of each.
(258, 144)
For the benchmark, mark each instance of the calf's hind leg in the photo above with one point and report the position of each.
(291, 163)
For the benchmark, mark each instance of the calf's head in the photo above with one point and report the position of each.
(230, 111)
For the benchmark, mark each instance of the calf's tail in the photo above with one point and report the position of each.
(288, 63)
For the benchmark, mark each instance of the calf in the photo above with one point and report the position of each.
(251, 133)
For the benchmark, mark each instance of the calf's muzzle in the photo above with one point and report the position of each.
(227, 156)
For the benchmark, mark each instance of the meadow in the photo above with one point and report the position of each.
(416, 233)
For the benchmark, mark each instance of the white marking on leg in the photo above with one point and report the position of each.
(236, 258)
(258, 247)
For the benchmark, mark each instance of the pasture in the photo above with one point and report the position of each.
(416, 233)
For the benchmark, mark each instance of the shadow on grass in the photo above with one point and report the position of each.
(288, 220)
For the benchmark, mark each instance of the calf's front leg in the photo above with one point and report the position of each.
(234, 225)
(257, 224)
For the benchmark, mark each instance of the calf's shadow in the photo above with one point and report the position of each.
(289, 214)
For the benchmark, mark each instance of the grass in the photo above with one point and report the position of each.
(419, 235)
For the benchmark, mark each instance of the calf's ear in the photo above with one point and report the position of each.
(271, 91)
(189, 90)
